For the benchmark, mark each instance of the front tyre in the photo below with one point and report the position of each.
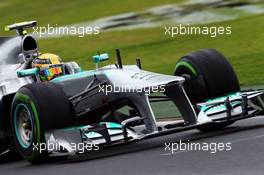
(37, 108)
(208, 75)
(27, 130)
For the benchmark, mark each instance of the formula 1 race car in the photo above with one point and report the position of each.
(42, 118)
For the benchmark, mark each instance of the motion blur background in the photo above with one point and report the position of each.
(137, 28)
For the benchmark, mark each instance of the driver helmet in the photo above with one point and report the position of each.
(49, 65)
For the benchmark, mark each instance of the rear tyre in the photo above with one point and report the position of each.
(36, 109)
(208, 75)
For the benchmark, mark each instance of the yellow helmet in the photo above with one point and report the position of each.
(49, 65)
(45, 60)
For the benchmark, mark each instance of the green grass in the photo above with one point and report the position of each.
(68, 11)
(159, 52)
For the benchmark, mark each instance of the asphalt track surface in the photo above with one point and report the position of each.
(149, 156)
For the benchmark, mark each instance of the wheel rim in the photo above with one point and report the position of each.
(23, 125)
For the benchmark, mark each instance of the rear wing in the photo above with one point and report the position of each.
(20, 27)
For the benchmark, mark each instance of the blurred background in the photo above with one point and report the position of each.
(137, 28)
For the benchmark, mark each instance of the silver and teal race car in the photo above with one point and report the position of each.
(80, 111)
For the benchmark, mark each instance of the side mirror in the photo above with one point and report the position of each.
(100, 58)
(27, 72)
